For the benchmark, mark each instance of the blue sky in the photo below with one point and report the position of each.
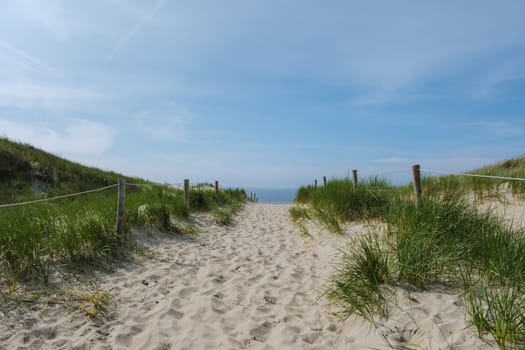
(265, 93)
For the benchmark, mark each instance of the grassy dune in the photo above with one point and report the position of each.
(80, 231)
(447, 242)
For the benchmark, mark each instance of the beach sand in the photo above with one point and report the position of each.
(255, 285)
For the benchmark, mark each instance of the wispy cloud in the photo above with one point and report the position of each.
(25, 60)
(143, 21)
(74, 136)
(490, 84)
(501, 128)
(30, 95)
(166, 124)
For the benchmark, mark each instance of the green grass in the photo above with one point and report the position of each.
(28, 173)
(357, 287)
(81, 231)
(481, 187)
(445, 242)
(341, 202)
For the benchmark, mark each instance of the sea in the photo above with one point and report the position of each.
(273, 195)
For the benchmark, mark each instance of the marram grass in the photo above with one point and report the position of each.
(81, 230)
(341, 202)
(445, 242)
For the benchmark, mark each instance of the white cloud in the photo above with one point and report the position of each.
(169, 124)
(30, 95)
(501, 128)
(24, 59)
(75, 137)
(130, 34)
(49, 16)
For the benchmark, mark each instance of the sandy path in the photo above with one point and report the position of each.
(254, 285)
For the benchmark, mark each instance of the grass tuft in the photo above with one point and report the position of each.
(357, 287)
(444, 242)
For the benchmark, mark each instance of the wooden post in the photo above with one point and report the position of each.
(187, 192)
(324, 182)
(315, 184)
(354, 177)
(120, 207)
(216, 186)
(416, 175)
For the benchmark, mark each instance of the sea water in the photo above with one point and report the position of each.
(273, 195)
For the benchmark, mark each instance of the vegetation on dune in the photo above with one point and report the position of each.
(341, 202)
(80, 231)
(28, 173)
(445, 242)
(479, 186)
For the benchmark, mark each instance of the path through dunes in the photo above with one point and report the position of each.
(253, 285)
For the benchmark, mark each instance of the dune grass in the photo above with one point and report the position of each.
(445, 242)
(341, 202)
(80, 231)
(44, 245)
(447, 186)
(28, 173)
(359, 285)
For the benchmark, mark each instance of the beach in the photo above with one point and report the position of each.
(257, 284)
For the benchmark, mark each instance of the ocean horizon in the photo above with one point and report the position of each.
(273, 195)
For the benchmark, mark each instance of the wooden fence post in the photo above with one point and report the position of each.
(216, 186)
(416, 175)
(120, 206)
(354, 177)
(187, 192)
(324, 182)
(315, 184)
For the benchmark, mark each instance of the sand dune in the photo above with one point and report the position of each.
(255, 285)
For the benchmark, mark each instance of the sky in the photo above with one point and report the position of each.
(265, 93)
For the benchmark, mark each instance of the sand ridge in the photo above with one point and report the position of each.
(255, 285)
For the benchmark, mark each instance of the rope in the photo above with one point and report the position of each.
(138, 185)
(58, 197)
(474, 175)
(153, 185)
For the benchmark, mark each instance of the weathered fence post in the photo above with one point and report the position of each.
(216, 186)
(187, 192)
(120, 206)
(416, 175)
(315, 184)
(354, 177)
(324, 182)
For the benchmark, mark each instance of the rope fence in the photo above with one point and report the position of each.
(473, 175)
(416, 178)
(121, 197)
(57, 197)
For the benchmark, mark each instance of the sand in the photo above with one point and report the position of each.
(255, 285)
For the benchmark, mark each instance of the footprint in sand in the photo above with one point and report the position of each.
(185, 292)
(262, 332)
(173, 314)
